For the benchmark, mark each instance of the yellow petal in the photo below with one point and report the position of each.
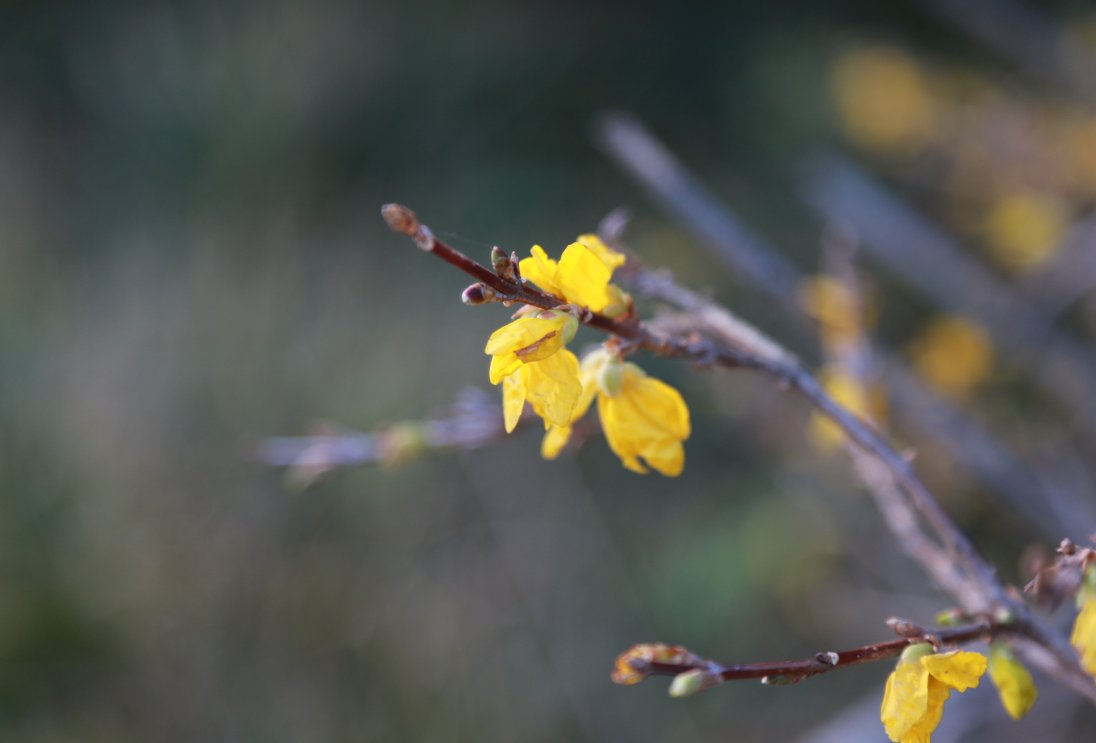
(503, 367)
(660, 402)
(1013, 681)
(959, 669)
(554, 440)
(905, 699)
(552, 387)
(921, 731)
(648, 419)
(583, 278)
(611, 258)
(541, 270)
(1083, 636)
(513, 400)
(522, 341)
(615, 422)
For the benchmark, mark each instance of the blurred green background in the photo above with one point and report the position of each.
(191, 257)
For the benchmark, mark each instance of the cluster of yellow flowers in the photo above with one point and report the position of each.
(645, 420)
(913, 700)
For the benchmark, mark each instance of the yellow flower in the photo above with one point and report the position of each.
(527, 339)
(913, 701)
(551, 386)
(867, 403)
(1013, 681)
(1023, 230)
(834, 307)
(645, 420)
(884, 100)
(953, 354)
(580, 277)
(1083, 636)
(608, 256)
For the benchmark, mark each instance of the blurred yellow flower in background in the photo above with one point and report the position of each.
(953, 354)
(1024, 229)
(913, 700)
(883, 99)
(834, 307)
(850, 393)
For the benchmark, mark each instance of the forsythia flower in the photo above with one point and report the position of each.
(643, 418)
(528, 356)
(1083, 636)
(953, 354)
(1013, 681)
(835, 308)
(581, 276)
(866, 402)
(527, 339)
(1025, 229)
(885, 100)
(551, 386)
(913, 701)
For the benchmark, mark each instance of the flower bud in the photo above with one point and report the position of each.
(914, 652)
(503, 265)
(478, 294)
(690, 682)
(610, 377)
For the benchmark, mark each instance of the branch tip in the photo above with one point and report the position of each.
(402, 220)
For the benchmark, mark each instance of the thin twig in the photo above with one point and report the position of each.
(793, 671)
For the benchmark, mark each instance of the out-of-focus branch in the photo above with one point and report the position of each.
(1069, 275)
(475, 421)
(657, 171)
(1033, 41)
(928, 260)
(634, 148)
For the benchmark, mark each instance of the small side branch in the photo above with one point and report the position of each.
(645, 660)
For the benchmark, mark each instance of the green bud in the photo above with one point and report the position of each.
(570, 329)
(610, 377)
(915, 652)
(690, 682)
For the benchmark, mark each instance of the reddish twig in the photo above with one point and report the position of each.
(656, 660)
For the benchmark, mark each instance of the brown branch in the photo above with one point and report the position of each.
(642, 661)
(475, 421)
